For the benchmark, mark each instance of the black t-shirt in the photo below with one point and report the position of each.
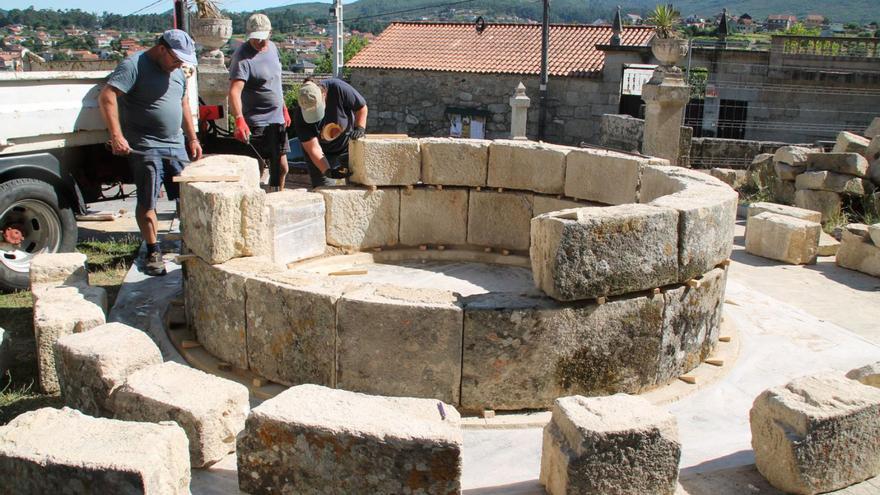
(342, 101)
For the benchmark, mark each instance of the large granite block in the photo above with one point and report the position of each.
(400, 341)
(455, 162)
(93, 364)
(867, 375)
(499, 220)
(296, 226)
(524, 352)
(596, 251)
(841, 163)
(545, 204)
(358, 218)
(59, 269)
(60, 311)
(224, 220)
(691, 325)
(64, 451)
(873, 151)
(291, 324)
(211, 410)
(603, 176)
(874, 233)
(823, 180)
(825, 202)
(735, 178)
(247, 169)
(817, 434)
(789, 211)
(858, 253)
(662, 180)
(527, 165)
(610, 445)
(847, 142)
(385, 162)
(783, 238)
(311, 439)
(430, 216)
(873, 129)
(795, 156)
(788, 172)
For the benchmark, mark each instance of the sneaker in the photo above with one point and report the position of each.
(155, 265)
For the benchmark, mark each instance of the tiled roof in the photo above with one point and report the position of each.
(499, 49)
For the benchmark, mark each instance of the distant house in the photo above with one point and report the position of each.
(814, 21)
(780, 22)
(303, 67)
(633, 19)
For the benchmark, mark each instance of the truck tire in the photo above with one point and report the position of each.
(32, 207)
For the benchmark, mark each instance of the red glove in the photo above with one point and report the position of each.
(242, 131)
(286, 116)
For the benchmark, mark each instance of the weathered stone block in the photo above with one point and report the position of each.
(385, 162)
(817, 434)
(358, 218)
(783, 238)
(59, 269)
(93, 364)
(224, 220)
(454, 162)
(64, 451)
(60, 311)
(527, 165)
(215, 305)
(874, 233)
(858, 229)
(610, 445)
(782, 191)
(734, 178)
(788, 172)
(867, 375)
(545, 204)
(873, 130)
(847, 142)
(292, 328)
(499, 220)
(691, 325)
(842, 163)
(400, 341)
(825, 202)
(603, 176)
(792, 155)
(762, 171)
(858, 253)
(599, 251)
(659, 180)
(789, 211)
(246, 168)
(311, 439)
(430, 216)
(211, 410)
(873, 151)
(823, 180)
(296, 226)
(828, 245)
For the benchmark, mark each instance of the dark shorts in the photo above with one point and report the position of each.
(317, 178)
(150, 172)
(271, 143)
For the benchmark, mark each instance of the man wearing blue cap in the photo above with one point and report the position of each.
(144, 105)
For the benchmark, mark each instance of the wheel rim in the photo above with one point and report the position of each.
(40, 227)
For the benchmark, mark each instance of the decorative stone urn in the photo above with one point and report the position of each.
(669, 50)
(211, 33)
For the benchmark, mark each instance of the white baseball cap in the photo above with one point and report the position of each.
(258, 27)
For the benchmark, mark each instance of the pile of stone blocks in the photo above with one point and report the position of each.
(615, 444)
(828, 177)
(64, 303)
(788, 162)
(783, 233)
(312, 439)
(860, 248)
(867, 375)
(64, 451)
(817, 434)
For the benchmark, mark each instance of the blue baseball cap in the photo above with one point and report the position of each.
(182, 45)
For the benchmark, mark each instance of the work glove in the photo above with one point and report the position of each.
(286, 116)
(337, 173)
(357, 133)
(242, 131)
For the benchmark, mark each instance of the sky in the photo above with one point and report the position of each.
(125, 7)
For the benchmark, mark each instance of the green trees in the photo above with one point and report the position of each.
(349, 50)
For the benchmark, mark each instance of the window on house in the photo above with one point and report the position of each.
(732, 119)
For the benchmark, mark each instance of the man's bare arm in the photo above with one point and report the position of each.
(360, 117)
(189, 130)
(235, 88)
(312, 148)
(107, 101)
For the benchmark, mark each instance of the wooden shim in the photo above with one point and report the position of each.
(372, 188)
(258, 382)
(377, 250)
(439, 187)
(505, 252)
(500, 189)
(726, 262)
(724, 338)
(423, 247)
(715, 362)
(487, 250)
(656, 291)
(694, 283)
(206, 178)
(409, 189)
(343, 273)
(224, 366)
(97, 217)
(688, 379)
(179, 259)
(189, 344)
(601, 300)
(441, 247)
(488, 413)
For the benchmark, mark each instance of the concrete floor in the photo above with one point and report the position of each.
(790, 321)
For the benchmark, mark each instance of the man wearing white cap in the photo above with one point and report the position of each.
(256, 101)
(144, 104)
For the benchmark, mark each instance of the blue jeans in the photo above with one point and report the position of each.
(150, 172)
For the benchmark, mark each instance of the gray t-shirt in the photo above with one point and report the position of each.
(151, 113)
(261, 98)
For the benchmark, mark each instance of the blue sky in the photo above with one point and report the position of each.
(129, 6)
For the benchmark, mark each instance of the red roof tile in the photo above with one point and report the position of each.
(500, 48)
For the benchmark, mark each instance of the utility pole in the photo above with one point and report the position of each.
(545, 40)
(338, 60)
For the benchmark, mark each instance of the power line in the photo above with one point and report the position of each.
(157, 2)
(405, 11)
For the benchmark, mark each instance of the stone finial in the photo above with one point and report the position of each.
(520, 90)
(616, 28)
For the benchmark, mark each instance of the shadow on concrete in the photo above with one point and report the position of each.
(850, 278)
(531, 487)
(736, 459)
(703, 480)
